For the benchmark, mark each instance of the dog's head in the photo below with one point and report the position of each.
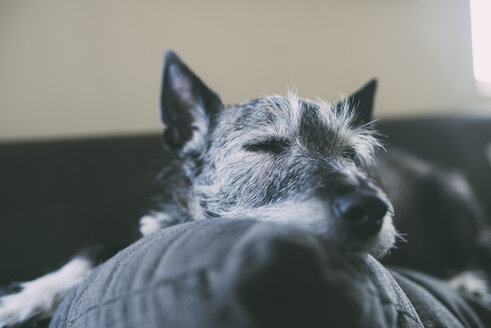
(279, 158)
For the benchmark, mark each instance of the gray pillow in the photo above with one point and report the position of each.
(243, 273)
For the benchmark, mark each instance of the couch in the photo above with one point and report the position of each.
(59, 195)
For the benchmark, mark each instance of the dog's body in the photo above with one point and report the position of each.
(445, 227)
(275, 158)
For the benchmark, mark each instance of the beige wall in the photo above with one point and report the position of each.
(93, 66)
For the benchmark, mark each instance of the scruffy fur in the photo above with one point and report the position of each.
(318, 153)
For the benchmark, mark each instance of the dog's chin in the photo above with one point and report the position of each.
(380, 244)
(348, 242)
(314, 216)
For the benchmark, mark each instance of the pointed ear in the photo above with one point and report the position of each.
(362, 101)
(188, 107)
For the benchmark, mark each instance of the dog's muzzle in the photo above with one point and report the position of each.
(362, 212)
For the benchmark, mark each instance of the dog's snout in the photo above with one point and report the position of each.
(363, 212)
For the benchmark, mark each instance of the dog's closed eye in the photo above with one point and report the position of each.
(349, 153)
(273, 145)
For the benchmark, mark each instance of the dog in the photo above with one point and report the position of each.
(275, 158)
(289, 160)
(445, 227)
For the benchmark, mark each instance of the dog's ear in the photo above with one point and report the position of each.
(362, 101)
(187, 106)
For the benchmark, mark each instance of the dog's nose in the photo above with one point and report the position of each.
(363, 212)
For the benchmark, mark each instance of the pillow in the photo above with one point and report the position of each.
(244, 273)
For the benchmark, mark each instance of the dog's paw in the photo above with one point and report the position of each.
(472, 283)
(153, 222)
(17, 308)
(39, 298)
(148, 225)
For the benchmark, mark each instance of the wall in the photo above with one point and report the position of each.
(70, 68)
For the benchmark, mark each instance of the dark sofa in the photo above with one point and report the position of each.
(58, 196)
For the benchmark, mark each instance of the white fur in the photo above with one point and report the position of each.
(41, 296)
(200, 125)
(385, 239)
(313, 215)
(472, 283)
(151, 223)
(184, 87)
(295, 108)
(304, 213)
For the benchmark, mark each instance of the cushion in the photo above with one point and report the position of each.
(244, 273)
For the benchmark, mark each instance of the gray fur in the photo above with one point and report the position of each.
(318, 153)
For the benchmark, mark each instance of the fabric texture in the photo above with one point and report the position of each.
(243, 273)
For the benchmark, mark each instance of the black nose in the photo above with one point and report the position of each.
(363, 212)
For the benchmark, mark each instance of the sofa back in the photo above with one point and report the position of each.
(58, 196)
